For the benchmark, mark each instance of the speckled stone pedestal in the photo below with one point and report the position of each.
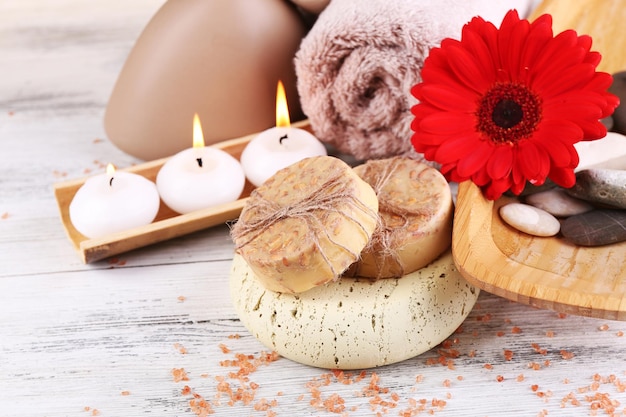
(356, 323)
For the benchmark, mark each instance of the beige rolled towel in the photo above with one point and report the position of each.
(356, 66)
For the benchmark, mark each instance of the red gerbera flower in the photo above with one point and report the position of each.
(505, 106)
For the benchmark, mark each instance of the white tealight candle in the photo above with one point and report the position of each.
(200, 177)
(113, 202)
(278, 147)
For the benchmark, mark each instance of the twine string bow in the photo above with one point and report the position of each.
(313, 209)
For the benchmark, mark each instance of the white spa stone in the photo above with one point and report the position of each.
(355, 323)
(558, 203)
(529, 219)
(608, 152)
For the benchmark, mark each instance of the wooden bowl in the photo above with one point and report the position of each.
(545, 272)
(167, 224)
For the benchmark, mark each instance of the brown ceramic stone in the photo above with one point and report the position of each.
(220, 59)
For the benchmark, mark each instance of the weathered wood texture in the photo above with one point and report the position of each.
(76, 338)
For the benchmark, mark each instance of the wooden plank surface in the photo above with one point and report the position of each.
(102, 339)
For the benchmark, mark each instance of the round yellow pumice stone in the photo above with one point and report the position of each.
(416, 210)
(355, 323)
(306, 224)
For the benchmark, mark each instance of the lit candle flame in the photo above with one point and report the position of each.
(110, 173)
(282, 111)
(198, 137)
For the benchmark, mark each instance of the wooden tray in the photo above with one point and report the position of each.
(167, 224)
(543, 272)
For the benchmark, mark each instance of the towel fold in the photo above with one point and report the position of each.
(356, 66)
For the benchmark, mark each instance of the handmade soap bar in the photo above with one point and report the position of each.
(306, 224)
(356, 323)
(415, 206)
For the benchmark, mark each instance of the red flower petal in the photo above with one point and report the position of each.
(446, 123)
(533, 163)
(558, 151)
(564, 130)
(543, 24)
(563, 177)
(429, 139)
(511, 38)
(594, 129)
(600, 82)
(500, 163)
(552, 54)
(573, 98)
(456, 148)
(481, 178)
(593, 58)
(436, 69)
(569, 78)
(475, 160)
(574, 158)
(504, 107)
(535, 43)
(423, 110)
(585, 114)
(466, 70)
(486, 30)
(518, 187)
(447, 99)
(497, 188)
(481, 51)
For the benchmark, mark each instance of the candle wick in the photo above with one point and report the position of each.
(282, 138)
(199, 160)
(111, 182)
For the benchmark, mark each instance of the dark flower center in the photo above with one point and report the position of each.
(508, 112)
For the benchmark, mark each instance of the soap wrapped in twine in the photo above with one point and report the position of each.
(313, 209)
(384, 235)
(396, 218)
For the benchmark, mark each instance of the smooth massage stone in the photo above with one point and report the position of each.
(529, 219)
(606, 153)
(603, 186)
(558, 203)
(355, 323)
(596, 228)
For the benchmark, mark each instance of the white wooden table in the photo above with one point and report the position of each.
(104, 339)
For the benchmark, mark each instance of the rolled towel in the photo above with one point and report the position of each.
(356, 66)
